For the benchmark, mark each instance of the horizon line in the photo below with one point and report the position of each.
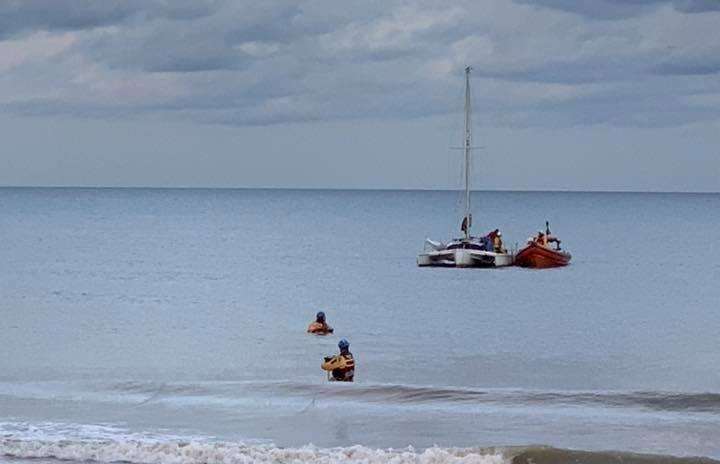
(358, 189)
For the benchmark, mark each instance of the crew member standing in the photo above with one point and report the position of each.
(341, 366)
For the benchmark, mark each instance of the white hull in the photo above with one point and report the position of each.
(464, 258)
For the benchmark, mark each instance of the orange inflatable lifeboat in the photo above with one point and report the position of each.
(538, 254)
(541, 257)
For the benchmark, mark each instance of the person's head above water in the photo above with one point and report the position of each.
(320, 317)
(344, 345)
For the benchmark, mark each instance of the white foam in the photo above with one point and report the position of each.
(140, 452)
(51, 432)
(108, 444)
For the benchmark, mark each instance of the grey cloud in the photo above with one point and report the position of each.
(55, 107)
(566, 72)
(208, 43)
(617, 9)
(697, 6)
(593, 69)
(654, 101)
(689, 67)
(163, 48)
(600, 9)
(244, 63)
(643, 111)
(21, 16)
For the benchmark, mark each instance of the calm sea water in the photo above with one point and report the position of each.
(169, 326)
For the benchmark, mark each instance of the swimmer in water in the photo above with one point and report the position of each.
(320, 326)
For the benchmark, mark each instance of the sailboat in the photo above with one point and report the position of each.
(467, 251)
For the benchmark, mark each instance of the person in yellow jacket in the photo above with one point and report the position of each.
(320, 326)
(498, 243)
(541, 239)
(341, 366)
(545, 239)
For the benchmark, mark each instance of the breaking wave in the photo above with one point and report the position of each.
(229, 453)
(198, 452)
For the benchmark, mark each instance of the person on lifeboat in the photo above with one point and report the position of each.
(545, 239)
(320, 326)
(341, 367)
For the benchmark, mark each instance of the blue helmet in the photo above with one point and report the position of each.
(343, 344)
(320, 316)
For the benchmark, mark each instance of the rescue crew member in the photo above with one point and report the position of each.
(541, 239)
(320, 327)
(550, 238)
(341, 366)
(492, 234)
(546, 239)
(498, 243)
(488, 240)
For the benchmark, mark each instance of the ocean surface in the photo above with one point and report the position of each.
(168, 327)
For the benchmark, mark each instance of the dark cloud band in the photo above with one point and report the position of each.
(242, 62)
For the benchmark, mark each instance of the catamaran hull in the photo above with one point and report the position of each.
(445, 258)
(464, 258)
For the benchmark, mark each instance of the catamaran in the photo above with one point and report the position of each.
(468, 251)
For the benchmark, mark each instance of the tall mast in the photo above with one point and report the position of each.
(467, 147)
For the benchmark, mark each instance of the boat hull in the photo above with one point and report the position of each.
(537, 256)
(464, 258)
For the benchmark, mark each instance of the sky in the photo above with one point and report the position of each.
(567, 94)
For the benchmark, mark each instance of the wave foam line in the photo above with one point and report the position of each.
(160, 450)
(140, 452)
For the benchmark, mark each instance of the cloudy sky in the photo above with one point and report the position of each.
(568, 94)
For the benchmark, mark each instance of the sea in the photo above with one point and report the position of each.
(168, 326)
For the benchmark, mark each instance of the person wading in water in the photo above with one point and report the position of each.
(341, 366)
